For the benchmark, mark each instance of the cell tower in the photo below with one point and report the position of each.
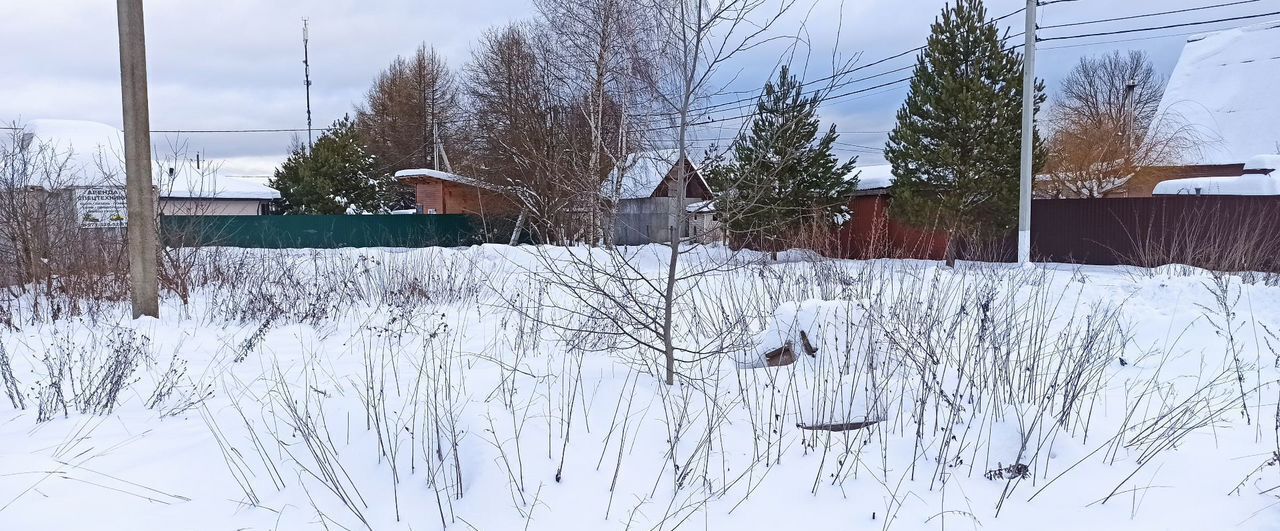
(306, 65)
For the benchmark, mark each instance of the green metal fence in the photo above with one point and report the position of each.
(327, 232)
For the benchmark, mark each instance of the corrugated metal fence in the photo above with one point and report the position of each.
(1230, 233)
(321, 232)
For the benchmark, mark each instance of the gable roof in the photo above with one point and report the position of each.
(643, 174)
(1225, 86)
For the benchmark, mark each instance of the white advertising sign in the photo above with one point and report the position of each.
(101, 207)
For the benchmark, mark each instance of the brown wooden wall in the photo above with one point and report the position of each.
(429, 196)
(446, 197)
(695, 187)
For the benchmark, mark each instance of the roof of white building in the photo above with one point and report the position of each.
(194, 184)
(93, 152)
(1225, 86)
(94, 155)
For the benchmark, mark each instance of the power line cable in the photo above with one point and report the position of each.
(755, 97)
(1156, 28)
(1116, 41)
(1146, 15)
(206, 131)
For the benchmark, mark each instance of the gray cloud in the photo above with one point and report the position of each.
(236, 64)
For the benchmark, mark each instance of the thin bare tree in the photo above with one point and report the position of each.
(411, 116)
(602, 62)
(617, 295)
(526, 134)
(1106, 125)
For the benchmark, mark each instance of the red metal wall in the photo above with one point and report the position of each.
(872, 233)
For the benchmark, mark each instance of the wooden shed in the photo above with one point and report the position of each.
(439, 192)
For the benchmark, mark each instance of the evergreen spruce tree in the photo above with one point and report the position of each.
(956, 146)
(338, 176)
(782, 176)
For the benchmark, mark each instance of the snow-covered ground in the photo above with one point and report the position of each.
(512, 388)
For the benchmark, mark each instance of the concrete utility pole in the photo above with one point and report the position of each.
(139, 191)
(1028, 135)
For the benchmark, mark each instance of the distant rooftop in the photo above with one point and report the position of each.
(879, 176)
(443, 176)
(1267, 183)
(94, 154)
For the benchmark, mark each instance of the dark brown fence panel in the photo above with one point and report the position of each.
(1226, 233)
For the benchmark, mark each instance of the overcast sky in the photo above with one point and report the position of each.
(237, 64)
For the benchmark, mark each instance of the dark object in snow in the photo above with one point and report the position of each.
(1123, 363)
(781, 356)
(808, 347)
(839, 426)
(1014, 471)
(786, 354)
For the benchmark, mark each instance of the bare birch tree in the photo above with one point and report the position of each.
(601, 58)
(700, 37)
(615, 295)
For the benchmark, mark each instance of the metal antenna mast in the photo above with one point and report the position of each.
(306, 64)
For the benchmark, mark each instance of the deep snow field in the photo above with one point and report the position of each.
(495, 388)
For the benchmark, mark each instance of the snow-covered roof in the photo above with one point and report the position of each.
(873, 177)
(1267, 183)
(1225, 86)
(701, 207)
(643, 172)
(443, 176)
(209, 185)
(1242, 185)
(1264, 163)
(94, 154)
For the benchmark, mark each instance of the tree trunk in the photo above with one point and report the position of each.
(515, 233)
(950, 253)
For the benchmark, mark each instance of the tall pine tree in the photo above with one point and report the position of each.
(783, 177)
(336, 177)
(956, 147)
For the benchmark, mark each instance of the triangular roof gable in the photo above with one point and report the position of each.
(699, 186)
(646, 173)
